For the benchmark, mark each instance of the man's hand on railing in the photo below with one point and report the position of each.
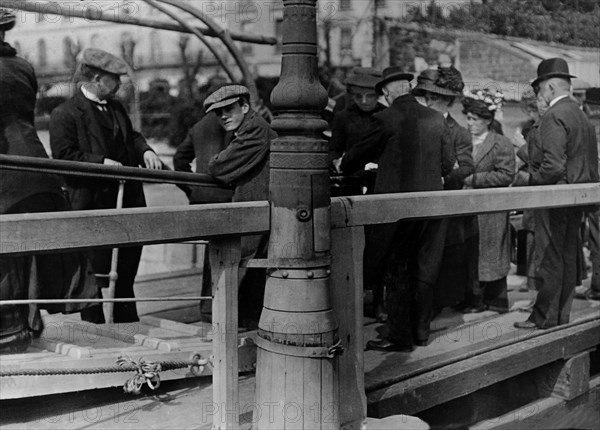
(152, 161)
(336, 165)
(110, 162)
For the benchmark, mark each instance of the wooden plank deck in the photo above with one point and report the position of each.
(462, 357)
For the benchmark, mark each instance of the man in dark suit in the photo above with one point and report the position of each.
(569, 155)
(94, 128)
(407, 139)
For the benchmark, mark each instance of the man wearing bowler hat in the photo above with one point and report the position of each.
(244, 165)
(408, 139)
(351, 124)
(568, 155)
(93, 127)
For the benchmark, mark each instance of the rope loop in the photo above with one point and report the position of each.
(147, 372)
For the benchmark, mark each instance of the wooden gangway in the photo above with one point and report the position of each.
(222, 225)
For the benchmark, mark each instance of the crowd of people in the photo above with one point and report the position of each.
(416, 268)
(390, 137)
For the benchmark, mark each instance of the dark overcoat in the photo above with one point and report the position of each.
(18, 88)
(206, 139)
(494, 167)
(51, 276)
(569, 155)
(414, 152)
(77, 133)
(244, 164)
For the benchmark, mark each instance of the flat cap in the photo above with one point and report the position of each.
(104, 61)
(225, 96)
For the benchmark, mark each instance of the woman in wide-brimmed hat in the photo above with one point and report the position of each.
(50, 276)
(494, 159)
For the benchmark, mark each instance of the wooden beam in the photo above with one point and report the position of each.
(467, 376)
(47, 232)
(387, 208)
(550, 412)
(225, 255)
(347, 300)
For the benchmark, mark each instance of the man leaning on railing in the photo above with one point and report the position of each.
(93, 127)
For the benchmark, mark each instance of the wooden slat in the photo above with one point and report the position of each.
(225, 255)
(347, 297)
(45, 232)
(456, 380)
(386, 208)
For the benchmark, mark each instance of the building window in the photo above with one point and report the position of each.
(346, 39)
(380, 4)
(247, 48)
(155, 48)
(278, 34)
(42, 53)
(345, 4)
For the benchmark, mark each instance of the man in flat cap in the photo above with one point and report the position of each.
(93, 127)
(408, 139)
(243, 164)
(351, 123)
(568, 155)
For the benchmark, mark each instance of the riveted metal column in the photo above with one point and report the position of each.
(296, 378)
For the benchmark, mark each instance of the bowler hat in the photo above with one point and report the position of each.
(363, 77)
(552, 68)
(592, 96)
(225, 96)
(394, 73)
(426, 82)
(104, 61)
(7, 20)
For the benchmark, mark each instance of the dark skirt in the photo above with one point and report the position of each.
(44, 276)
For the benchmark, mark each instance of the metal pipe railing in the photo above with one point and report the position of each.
(108, 300)
(96, 14)
(93, 170)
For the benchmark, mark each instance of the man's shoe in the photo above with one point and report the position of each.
(593, 295)
(525, 324)
(387, 346)
(475, 309)
(421, 342)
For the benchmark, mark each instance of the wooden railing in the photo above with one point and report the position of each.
(223, 224)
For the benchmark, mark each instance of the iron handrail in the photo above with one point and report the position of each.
(93, 170)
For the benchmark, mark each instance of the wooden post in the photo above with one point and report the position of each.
(225, 255)
(347, 246)
(296, 377)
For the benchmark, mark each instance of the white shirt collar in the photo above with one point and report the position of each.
(91, 96)
(477, 140)
(554, 101)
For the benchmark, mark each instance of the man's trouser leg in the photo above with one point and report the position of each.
(556, 238)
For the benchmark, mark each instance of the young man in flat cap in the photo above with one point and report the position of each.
(568, 155)
(94, 128)
(351, 123)
(243, 164)
(408, 139)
